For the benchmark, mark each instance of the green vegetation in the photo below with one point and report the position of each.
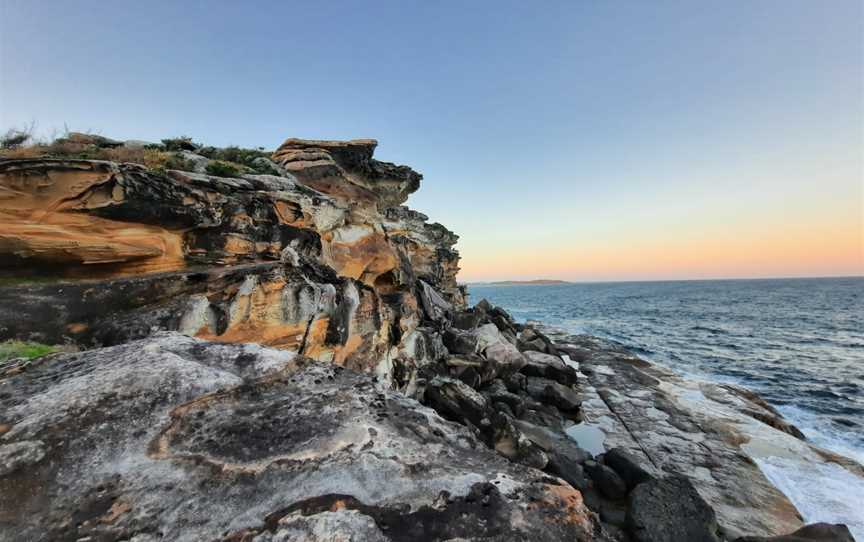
(223, 169)
(182, 143)
(28, 350)
(230, 161)
(17, 281)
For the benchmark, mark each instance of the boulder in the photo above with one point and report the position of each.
(627, 467)
(435, 306)
(607, 480)
(459, 342)
(549, 366)
(569, 470)
(487, 335)
(670, 510)
(532, 339)
(817, 532)
(496, 391)
(516, 382)
(510, 442)
(505, 357)
(457, 401)
(553, 393)
(468, 319)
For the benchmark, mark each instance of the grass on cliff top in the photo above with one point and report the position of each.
(229, 161)
(27, 350)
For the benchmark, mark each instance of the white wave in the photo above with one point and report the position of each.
(820, 491)
(821, 434)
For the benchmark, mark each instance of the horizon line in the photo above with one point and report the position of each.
(606, 281)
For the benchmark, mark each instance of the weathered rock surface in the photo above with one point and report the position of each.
(180, 439)
(670, 510)
(320, 259)
(711, 434)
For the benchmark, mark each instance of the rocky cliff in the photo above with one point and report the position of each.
(320, 259)
(282, 353)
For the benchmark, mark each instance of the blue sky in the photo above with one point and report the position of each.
(581, 140)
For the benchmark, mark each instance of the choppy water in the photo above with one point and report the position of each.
(799, 343)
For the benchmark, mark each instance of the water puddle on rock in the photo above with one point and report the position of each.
(589, 437)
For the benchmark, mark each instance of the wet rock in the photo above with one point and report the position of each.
(817, 532)
(607, 480)
(627, 466)
(670, 510)
(671, 425)
(551, 440)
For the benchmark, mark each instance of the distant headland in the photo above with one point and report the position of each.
(536, 282)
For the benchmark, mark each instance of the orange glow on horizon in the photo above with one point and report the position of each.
(794, 251)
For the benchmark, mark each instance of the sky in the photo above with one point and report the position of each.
(577, 140)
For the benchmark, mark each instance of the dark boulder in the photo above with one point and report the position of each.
(817, 532)
(627, 467)
(496, 391)
(549, 366)
(670, 510)
(509, 441)
(457, 401)
(516, 383)
(553, 393)
(607, 480)
(460, 342)
(564, 467)
(468, 319)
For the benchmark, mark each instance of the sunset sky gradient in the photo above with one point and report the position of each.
(574, 140)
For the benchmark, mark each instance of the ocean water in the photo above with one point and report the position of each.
(799, 343)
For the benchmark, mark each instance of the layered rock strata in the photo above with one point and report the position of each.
(320, 259)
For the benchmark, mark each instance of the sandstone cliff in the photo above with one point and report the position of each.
(320, 259)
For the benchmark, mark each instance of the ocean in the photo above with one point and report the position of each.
(799, 343)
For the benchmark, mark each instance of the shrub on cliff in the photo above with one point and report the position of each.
(13, 139)
(182, 143)
(221, 168)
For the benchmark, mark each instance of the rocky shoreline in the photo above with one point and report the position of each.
(288, 356)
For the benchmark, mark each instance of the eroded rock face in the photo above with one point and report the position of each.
(320, 259)
(175, 438)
